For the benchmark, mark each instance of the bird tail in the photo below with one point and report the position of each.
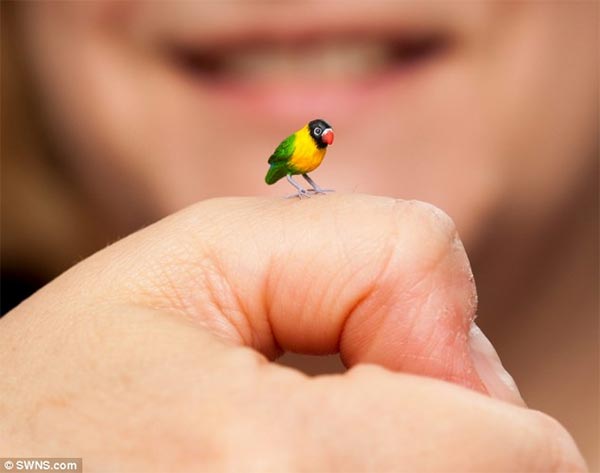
(275, 173)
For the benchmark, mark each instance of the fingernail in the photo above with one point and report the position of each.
(496, 379)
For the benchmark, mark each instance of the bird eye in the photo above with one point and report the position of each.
(317, 131)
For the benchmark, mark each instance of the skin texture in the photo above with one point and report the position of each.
(173, 328)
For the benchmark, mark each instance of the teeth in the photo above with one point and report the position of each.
(330, 61)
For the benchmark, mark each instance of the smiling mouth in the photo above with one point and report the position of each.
(341, 58)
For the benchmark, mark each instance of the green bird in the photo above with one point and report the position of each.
(301, 153)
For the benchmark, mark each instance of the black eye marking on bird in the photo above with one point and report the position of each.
(320, 132)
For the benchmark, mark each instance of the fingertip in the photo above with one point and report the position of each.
(418, 311)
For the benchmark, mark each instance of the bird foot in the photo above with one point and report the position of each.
(301, 194)
(320, 191)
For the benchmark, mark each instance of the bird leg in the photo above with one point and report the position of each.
(301, 191)
(315, 188)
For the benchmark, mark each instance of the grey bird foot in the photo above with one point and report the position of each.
(301, 194)
(318, 190)
(315, 188)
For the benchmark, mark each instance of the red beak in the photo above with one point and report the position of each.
(327, 136)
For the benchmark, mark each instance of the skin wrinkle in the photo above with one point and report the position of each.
(342, 284)
(452, 365)
(211, 307)
(376, 287)
(271, 286)
(277, 265)
(166, 289)
(273, 275)
(266, 306)
(347, 256)
(329, 291)
(214, 280)
(156, 288)
(426, 347)
(412, 319)
(260, 312)
(347, 253)
(319, 300)
(323, 304)
(363, 297)
(428, 344)
(196, 277)
(225, 302)
(217, 285)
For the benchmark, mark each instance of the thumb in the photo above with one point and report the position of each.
(379, 280)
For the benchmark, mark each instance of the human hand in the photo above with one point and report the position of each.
(153, 353)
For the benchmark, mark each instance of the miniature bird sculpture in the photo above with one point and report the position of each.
(301, 153)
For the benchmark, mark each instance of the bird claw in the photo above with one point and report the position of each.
(301, 194)
(320, 191)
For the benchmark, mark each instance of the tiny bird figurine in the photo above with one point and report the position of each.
(301, 153)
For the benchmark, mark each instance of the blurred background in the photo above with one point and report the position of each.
(115, 114)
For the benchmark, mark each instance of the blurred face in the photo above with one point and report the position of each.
(483, 109)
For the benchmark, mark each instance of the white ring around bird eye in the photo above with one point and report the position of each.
(317, 131)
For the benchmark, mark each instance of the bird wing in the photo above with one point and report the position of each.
(284, 151)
